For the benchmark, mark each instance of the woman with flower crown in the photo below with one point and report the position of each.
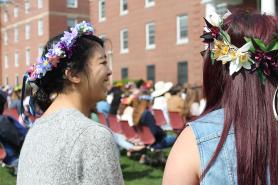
(235, 141)
(64, 146)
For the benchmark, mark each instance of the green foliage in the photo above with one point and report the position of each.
(6, 177)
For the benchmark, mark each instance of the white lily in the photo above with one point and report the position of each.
(238, 59)
(227, 14)
(215, 19)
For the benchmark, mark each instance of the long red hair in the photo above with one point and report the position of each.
(247, 103)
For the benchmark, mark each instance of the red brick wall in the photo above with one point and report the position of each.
(167, 53)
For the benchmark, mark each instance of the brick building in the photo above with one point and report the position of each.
(152, 39)
(158, 39)
(26, 25)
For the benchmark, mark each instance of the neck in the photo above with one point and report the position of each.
(69, 100)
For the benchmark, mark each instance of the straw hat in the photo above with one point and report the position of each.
(161, 88)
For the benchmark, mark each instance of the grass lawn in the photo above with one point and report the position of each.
(134, 173)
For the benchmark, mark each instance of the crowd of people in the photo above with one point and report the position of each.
(229, 133)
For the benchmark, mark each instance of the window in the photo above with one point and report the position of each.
(16, 79)
(16, 36)
(16, 63)
(6, 16)
(182, 73)
(6, 61)
(123, 7)
(150, 36)
(40, 27)
(101, 10)
(151, 72)
(71, 22)
(124, 73)
(16, 9)
(40, 50)
(40, 3)
(27, 6)
(72, 3)
(5, 37)
(182, 29)
(27, 31)
(6, 80)
(149, 3)
(27, 56)
(124, 41)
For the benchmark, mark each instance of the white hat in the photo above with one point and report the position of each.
(161, 87)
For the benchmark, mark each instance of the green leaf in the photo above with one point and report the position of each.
(212, 58)
(226, 36)
(272, 46)
(247, 39)
(261, 76)
(260, 44)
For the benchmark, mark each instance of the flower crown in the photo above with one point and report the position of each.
(254, 55)
(62, 49)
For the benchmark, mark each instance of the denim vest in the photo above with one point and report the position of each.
(207, 131)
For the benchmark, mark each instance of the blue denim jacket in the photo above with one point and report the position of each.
(207, 131)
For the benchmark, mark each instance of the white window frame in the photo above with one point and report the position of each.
(27, 30)
(16, 81)
(6, 61)
(40, 50)
(40, 27)
(100, 16)
(179, 39)
(72, 18)
(6, 80)
(148, 45)
(122, 11)
(16, 34)
(5, 16)
(75, 5)
(149, 4)
(27, 6)
(16, 11)
(123, 50)
(28, 56)
(16, 59)
(5, 35)
(40, 3)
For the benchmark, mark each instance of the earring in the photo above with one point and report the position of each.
(274, 104)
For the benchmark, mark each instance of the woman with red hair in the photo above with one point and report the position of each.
(235, 140)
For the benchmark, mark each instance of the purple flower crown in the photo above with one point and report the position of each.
(62, 49)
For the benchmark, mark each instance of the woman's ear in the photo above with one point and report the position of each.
(74, 78)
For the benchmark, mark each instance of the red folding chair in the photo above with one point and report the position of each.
(128, 131)
(101, 118)
(176, 120)
(11, 112)
(2, 152)
(145, 134)
(114, 124)
(159, 117)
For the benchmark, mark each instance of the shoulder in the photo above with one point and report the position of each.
(183, 164)
(209, 126)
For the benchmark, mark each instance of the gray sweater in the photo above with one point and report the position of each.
(67, 148)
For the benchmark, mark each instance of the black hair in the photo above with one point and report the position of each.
(3, 100)
(54, 81)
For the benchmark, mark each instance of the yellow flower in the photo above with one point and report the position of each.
(233, 54)
(243, 57)
(224, 50)
(45, 63)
